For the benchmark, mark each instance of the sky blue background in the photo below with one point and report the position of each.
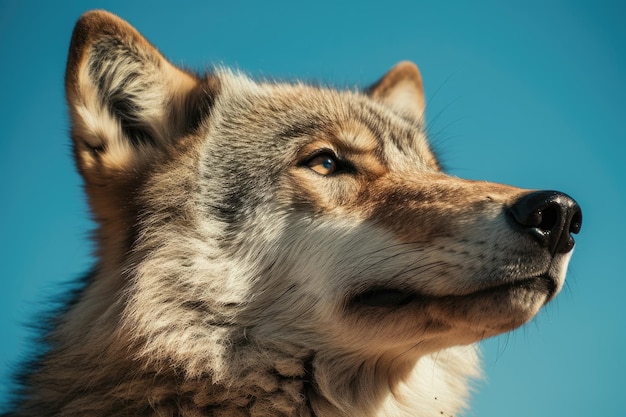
(529, 93)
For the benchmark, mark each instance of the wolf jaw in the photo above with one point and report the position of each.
(273, 249)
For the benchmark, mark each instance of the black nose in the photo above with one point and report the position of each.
(550, 217)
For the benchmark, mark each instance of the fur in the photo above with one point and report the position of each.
(278, 249)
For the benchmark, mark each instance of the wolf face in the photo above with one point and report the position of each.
(280, 249)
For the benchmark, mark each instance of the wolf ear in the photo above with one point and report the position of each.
(127, 102)
(401, 89)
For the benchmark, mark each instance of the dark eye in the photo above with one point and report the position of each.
(324, 163)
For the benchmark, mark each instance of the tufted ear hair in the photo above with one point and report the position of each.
(401, 89)
(127, 102)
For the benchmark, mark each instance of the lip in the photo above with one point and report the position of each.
(540, 283)
(388, 297)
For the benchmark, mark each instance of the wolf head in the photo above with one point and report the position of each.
(248, 225)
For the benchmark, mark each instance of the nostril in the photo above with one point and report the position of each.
(577, 221)
(548, 217)
(551, 217)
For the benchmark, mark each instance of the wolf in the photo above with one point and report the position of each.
(272, 248)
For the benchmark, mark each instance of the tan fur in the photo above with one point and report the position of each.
(241, 225)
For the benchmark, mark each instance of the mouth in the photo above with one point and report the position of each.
(394, 298)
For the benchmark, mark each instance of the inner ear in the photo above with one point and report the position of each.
(401, 89)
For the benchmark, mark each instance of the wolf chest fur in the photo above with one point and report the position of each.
(279, 249)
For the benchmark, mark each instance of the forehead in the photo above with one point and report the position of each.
(348, 121)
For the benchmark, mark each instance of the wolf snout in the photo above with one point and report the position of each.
(550, 217)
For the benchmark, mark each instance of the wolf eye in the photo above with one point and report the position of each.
(323, 164)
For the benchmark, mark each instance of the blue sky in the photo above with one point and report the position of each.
(527, 93)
